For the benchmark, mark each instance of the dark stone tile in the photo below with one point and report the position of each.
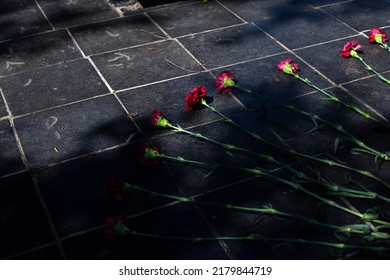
(179, 220)
(147, 64)
(230, 45)
(259, 9)
(51, 86)
(182, 20)
(116, 34)
(72, 12)
(21, 18)
(360, 14)
(50, 252)
(317, 3)
(153, 3)
(23, 221)
(10, 158)
(267, 83)
(77, 193)
(305, 28)
(326, 58)
(37, 51)
(374, 92)
(3, 111)
(73, 130)
(169, 97)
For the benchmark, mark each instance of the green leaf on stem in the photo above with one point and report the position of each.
(371, 214)
(342, 235)
(336, 145)
(356, 151)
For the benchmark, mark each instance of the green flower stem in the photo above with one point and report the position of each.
(343, 166)
(261, 172)
(256, 237)
(230, 147)
(294, 153)
(239, 127)
(354, 54)
(363, 147)
(267, 210)
(336, 189)
(384, 45)
(348, 136)
(335, 99)
(226, 146)
(206, 165)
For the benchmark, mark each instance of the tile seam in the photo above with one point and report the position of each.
(35, 181)
(44, 14)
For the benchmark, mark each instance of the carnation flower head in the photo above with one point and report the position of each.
(114, 226)
(377, 35)
(147, 154)
(225, 82)
(350, 48)
(194, 98)
(117, 187)
(288, 66)
(158, 119)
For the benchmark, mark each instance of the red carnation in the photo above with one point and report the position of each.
(377, 35)
(288, 66)
(117, 187)
(114, 227)
(194, 98)
(158, 120)
(225, 82)
(351, 46)
(147, 154)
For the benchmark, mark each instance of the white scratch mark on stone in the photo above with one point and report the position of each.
(116, 65)
(24, 29)
(112, 34)
(28, 83)
(9, 64)
(57, 134)
(53, 120)
(131, 136)
(70, 2)
(31, 10)
(119, 56)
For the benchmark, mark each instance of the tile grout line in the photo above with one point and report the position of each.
(233, 13)
(60, 106)
(44, 14)
(337, 19)
(157, 25)
(90, 61)
(330, 4)
(83, 156)
(34, 180)
(327, 42)
(29, 251)
(132, 216)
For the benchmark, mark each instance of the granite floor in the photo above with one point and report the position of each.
(79, 80)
